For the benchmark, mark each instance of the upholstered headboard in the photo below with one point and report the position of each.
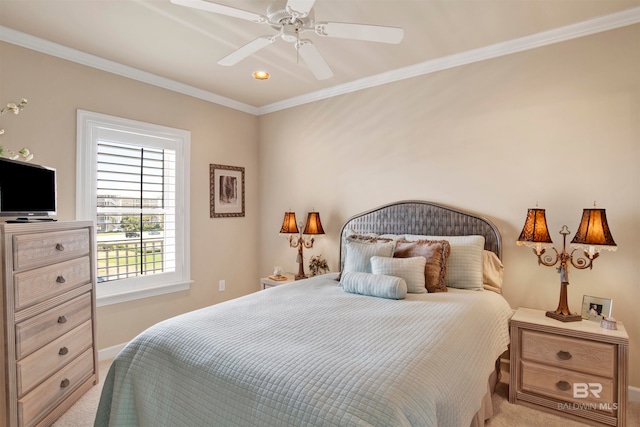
(423, 218)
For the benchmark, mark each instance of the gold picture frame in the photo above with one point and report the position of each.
(226, 191)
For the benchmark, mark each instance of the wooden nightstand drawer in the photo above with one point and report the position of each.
(34, 368)
(560, 384)
(570, 353)
(40, 284)
(44, 328)
(36, 404)
(36, 249)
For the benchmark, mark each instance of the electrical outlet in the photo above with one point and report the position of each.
(221, 285)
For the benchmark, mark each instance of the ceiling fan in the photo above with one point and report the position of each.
(291, 18)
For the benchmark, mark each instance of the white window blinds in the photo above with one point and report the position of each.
(136, 210)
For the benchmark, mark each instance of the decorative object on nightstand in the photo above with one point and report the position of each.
(575, 370)
(593, 235)
(313, 227)
(318, 265)
(596, 308)
(270, 282)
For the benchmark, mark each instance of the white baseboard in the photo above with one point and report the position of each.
(110, 352)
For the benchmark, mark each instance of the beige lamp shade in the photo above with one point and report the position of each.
(593, 231)
(289, 223)
(535, 229)
(314, 225)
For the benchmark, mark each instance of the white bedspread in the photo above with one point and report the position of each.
(308, 353)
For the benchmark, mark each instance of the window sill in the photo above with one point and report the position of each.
(109, 297)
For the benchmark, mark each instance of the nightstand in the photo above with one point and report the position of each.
(265, 282)
(576, 370)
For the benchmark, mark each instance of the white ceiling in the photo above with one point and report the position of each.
(178, 47)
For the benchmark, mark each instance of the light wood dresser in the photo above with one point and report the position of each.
(575, 369)
(49, 358)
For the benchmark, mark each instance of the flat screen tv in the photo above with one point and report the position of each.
(26, 189)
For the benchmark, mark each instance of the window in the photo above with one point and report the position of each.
(133, 182)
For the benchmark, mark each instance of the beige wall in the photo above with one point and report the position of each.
(56, 89)
(558, 125)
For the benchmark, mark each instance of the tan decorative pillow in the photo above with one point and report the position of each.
(436, 253)
(492, 272)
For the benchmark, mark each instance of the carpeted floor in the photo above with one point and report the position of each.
(505, 414)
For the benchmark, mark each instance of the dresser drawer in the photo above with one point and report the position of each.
(33, 406)
(570, 353)
(36, 249)
(40, 284)
(559, 383)
(36, 367)
(45, 327)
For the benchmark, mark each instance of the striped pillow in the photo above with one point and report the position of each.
(375, 285)
(359, 253)
(410, 269)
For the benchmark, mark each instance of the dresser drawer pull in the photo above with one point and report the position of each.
(564, 355)
(63, 351)
(60, 247)
(60, 279)
(65, 383)
(563, 385)
(62, 319)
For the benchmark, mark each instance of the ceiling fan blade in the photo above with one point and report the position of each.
(313, 58)
(246, 50)
(222, 10)
(373, 33)
(300, 7)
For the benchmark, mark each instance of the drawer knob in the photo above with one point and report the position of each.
(564, 355)
(65, 383)
(62, 319)
(60, 279)
(63, 351)
(563, 385)
(60, 247)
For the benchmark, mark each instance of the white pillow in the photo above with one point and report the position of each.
(358, 254)
(464, 266)
(375, 285)
(410, 269)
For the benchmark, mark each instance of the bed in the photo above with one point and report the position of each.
(329, 350)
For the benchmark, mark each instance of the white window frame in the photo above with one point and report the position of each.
(89, 126)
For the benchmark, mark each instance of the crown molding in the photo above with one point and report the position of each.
(54, 49)
(557, 35)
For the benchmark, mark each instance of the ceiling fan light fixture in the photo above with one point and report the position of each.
(291, 18)
(261, 75)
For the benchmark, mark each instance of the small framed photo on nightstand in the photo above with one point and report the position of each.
(595, 308)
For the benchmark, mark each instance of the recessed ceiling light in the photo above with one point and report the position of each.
(261, 75)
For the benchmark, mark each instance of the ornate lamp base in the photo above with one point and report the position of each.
(563, 313)
(564, 317)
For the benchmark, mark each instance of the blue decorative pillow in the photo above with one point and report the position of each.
(410, 269)
(375, 285)
(358, 254)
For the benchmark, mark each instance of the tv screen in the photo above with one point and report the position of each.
(26, 189)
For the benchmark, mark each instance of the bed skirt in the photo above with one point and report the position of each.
(486, 410)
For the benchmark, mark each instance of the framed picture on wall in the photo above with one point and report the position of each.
(595, 308)
(226, 186)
